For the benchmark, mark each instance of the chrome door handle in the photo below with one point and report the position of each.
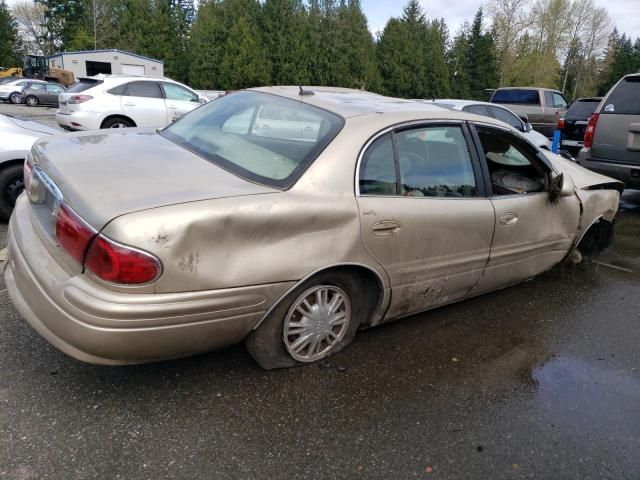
(509, 219)
(385, 228)
(130, 104)
(172, 107)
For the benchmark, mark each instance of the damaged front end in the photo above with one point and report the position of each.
(599, 198)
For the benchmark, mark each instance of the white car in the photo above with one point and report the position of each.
(12, 91)
(119, 101)
(498, 112)
(18, 136)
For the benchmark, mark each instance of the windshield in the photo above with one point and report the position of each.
(260, 137)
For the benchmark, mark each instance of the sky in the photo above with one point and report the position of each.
(624, 13)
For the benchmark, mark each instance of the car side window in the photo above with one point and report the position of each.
(144, 89)
(559, 101)
(513, 166)
(506, 117)
(119, 90)
(435, 162)
(55, 88)
(378, 168)
(477, 109)
(176, 92)
(36, 86)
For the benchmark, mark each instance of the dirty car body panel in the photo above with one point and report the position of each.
(399, 192)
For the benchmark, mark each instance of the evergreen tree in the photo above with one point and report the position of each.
(286, 47)
(155, 28)
(206, 46)
(244, 63)
(9, 42)
(481, 61)
(63, 20)
(357, 48)
(458, 60)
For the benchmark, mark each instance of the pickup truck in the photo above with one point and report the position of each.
(542, 107)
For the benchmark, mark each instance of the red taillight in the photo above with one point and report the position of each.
(75, 99)
(72, 233)
(591, 130)
(117, 263)
(560, 124)
(27, 169)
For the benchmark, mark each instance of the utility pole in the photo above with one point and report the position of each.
(95, 37)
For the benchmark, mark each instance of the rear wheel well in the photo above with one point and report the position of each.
(371, 287)
(596, 239)
(124, 117)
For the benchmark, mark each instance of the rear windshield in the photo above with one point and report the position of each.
(518, 96)
(82, 85)
(260, 137)
(583, 108)
(625, 98)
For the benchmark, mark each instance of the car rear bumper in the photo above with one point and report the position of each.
(96, 325)
(78, 121)
(629, 174)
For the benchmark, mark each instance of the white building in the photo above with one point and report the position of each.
(93, 62)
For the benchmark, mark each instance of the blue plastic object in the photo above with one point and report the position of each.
(555, 146)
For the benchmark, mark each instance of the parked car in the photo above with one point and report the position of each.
(140, 245)
(4, 80)
(119, 101)
(542, 107)
(12, 91)
(574, 123)
(501, 113)
(612, 137)
(35, 94)
(17, 138)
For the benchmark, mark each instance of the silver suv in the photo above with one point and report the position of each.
(612, 137)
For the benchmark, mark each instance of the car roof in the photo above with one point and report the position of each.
(461, 103)
(348, 102)
(529, 88)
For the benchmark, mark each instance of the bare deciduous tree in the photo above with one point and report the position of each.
(31, 24)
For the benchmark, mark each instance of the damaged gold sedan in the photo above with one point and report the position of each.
(289, 218)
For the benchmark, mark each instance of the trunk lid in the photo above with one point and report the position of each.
(102, 175)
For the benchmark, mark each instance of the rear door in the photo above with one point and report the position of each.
(555, 106)
(178, 100)
(617, 135)
(143, 102)
(424, 216)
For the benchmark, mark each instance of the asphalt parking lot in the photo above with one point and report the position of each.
(541, 380)
(44, 115)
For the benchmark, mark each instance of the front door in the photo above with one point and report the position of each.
(178, 100)
(532, 233)
(423, 214)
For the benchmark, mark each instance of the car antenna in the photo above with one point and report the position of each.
(305, 93)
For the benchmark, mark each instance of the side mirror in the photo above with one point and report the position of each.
(528, 127)
(561, 186)
(203, 100)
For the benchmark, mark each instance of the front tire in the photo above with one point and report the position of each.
(117, 122)
(11, 186)
(15, 98)
(313, 322)
(32, 101)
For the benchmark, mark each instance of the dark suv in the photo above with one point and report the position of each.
(612, 137)
(574, 123)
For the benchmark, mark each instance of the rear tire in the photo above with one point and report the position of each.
(11, 186)
(117, 122)
(32, 101)
(14, 98)
(272, 348)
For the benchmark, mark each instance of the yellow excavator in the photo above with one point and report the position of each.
(35, 66)
(10, 72)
